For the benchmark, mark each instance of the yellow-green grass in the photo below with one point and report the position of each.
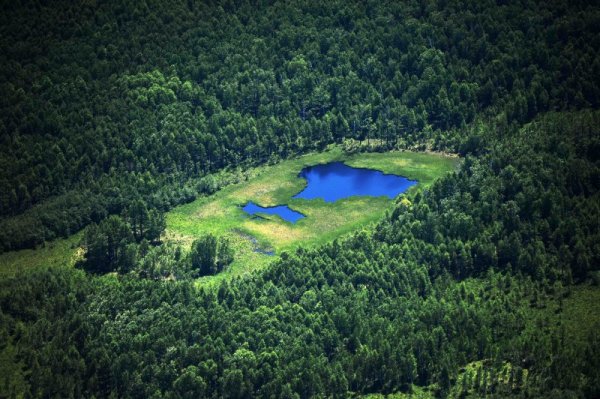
(221, 213)
(60, 252)
(424, 167)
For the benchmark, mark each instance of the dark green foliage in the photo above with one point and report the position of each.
(42, 314)
(109, 246)
(529, 205)
(226, 254)
(204, 255)
(66, 214)
(156, 225)
(137, 215)
(145, 225)
(210, 255)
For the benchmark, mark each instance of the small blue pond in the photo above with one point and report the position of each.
(281, 210)
(336, 180)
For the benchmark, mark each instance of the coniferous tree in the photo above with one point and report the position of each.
(109, 246)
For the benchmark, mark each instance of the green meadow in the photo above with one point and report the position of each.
(60, 252)
(221, 213)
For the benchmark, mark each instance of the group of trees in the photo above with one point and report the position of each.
(132, 244)
(210, 255)
(528, 204)
(144, 99)
(111, 245)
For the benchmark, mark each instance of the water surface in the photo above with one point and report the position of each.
(283, 211)
(336, 180)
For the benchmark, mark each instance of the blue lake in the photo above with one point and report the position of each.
(283, 211)
(336, 180)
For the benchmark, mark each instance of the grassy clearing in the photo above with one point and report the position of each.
(61, 252)
(221, 213)
(424, 167)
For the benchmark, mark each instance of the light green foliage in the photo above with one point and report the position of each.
(60, 252)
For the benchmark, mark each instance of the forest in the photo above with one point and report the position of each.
(484, 283)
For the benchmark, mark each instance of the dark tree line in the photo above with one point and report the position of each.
(111, 245)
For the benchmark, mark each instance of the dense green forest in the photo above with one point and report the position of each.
(113, 113)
